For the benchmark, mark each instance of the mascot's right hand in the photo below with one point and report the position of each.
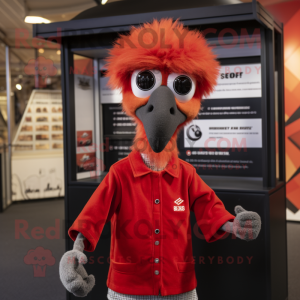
(72, 273)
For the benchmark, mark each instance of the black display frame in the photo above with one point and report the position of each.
(108, 29)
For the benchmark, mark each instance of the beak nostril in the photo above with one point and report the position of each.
(150, 108)
(172, 111)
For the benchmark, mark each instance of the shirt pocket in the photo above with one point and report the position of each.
(123, 267)
(185, 266)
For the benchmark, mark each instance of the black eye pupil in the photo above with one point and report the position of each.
(182, 85)
(145, 80)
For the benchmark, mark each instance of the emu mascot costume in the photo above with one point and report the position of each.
(163, 70)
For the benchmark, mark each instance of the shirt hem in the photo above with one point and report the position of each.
(149, 291)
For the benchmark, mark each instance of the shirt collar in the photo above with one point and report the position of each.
(139, 168)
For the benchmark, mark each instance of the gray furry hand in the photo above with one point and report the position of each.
(72, 273)
(245, 226)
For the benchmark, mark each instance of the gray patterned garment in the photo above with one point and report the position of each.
(148, 163)
(191, 295)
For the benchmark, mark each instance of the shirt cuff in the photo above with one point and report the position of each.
(215, 233)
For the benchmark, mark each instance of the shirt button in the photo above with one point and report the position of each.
(156, 260)
(156, 272)
(156, 201)
(156, 243)
(156, 231)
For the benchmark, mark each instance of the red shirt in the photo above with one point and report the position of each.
(151, 248)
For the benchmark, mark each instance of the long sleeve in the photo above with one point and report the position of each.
(208, 208)
(98, 211)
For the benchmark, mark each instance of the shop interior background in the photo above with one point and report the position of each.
(39, 167)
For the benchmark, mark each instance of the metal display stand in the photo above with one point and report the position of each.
(229, 268)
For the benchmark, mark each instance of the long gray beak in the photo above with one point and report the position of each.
(160, 117)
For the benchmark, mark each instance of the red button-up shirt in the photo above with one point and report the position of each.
(151, 248)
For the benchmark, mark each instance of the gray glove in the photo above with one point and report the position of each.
(245, 226)
(72, 273)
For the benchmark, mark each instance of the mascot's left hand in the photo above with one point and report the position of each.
(245, 226)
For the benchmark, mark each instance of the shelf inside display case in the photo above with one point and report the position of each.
(41, 127)
(37, 151)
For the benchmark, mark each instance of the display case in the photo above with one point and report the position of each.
(37, 152)
(236, 143)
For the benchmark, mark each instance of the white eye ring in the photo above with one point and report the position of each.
(185, 95)
(146, 90)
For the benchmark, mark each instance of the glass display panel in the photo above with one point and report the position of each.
(84, 117)
(226, 137)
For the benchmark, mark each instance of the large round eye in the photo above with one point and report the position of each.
(143, 83)
(182, 85)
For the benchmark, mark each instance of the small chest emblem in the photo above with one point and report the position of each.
(179, 207)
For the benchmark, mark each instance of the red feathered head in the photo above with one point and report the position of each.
(163, 70)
